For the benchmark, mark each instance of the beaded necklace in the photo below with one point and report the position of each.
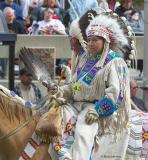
(89, 70)
(90, 63)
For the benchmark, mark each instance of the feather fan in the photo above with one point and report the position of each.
(49, 128)
(35, 65)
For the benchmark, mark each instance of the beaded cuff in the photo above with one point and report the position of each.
(105, 107)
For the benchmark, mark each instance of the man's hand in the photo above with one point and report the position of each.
(53, 89)
(91, 117)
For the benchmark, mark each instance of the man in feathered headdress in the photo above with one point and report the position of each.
(99, 95)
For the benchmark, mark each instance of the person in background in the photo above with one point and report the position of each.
(26, 88)
(137, 101)
(49, 25)
(79, 7)
(54, 5)
(113, 4)
(28, 5)
(30, 10)
(14, 26)
(126, 8)
(17, 8)
(76, 47)
(136, 21)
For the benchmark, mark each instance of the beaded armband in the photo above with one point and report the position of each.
(105, 107)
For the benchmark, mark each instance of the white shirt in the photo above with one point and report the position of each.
(53, 22)
(28, 93)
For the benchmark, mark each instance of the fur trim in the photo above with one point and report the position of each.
(75, 31)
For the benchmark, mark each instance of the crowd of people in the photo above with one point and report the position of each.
(25, 16)
(47, 17)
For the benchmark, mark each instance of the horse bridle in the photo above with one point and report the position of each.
(14, 131)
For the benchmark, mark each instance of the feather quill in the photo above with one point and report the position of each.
(35, 65)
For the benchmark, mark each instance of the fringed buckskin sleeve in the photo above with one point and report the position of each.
(115, 93)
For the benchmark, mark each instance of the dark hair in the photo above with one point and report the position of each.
(85, 21)
(135, 10)
(24, 71)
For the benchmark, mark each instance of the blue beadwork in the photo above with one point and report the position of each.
(105, 107)
(89, 71)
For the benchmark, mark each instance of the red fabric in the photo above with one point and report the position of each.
(55, 17)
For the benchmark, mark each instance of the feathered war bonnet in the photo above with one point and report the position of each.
(78, 32)
(79, 25)
(116, 31)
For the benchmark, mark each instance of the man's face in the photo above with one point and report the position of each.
(136, 16)
(128, 4)
(133, 88)
(75, 45)
(9, 16)
(48, 16)
(26, 79)
(95, 45)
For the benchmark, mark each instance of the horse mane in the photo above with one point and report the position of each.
(13, 109)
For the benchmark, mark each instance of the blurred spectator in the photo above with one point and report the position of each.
(29, 5)
(50, 25)
(52, 4)
(13, 25)
(103, 4)
(137, 101)
(133, 15)
(126, 8)
(26, 89)
(30, 10)
(79, 7)
(113, 4)
(136, 21)
(14, 6)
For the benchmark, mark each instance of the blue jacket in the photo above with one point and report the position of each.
(16, 7)
(81, 6)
